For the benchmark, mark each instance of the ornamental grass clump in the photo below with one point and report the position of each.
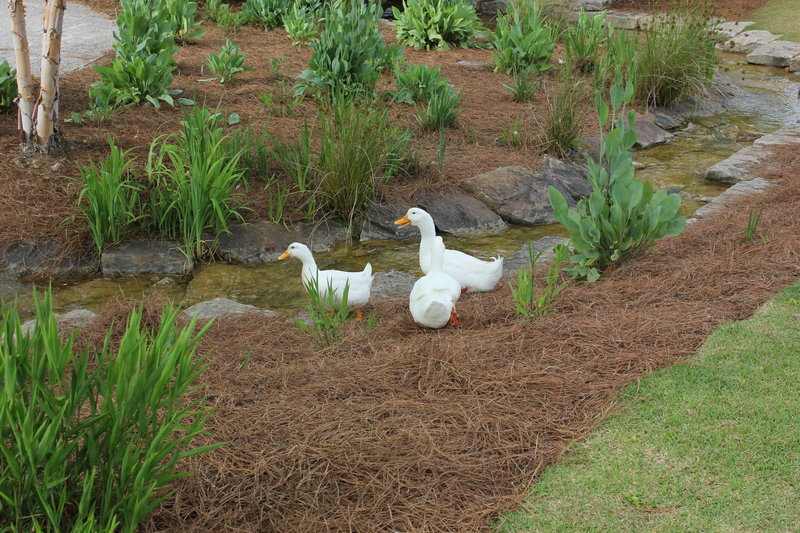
(91, 439)
(622, 216)
(437, 24)
(677, 58)
(522, 41)
(584, 40)
(109, 197)
(193, 176)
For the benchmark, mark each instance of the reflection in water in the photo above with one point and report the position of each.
(765, 101)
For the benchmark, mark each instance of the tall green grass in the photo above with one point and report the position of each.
(109, 197)
(358, 148)
(91, 440)
(193, 179)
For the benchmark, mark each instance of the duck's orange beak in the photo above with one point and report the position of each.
(284, 255)
(403, 222)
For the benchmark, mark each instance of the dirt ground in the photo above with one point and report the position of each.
(405, 429)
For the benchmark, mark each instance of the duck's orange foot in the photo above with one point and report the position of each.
(359, 314)
(454, 320)
(463, 290)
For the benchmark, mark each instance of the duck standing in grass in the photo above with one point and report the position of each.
(470, 272)
(359, 283)
(433, 299)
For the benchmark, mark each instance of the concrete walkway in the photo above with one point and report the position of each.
(87, 36)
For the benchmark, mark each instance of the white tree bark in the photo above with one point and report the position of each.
(22, 57)
(47, 103)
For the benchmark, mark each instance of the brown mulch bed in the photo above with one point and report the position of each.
(405, 429)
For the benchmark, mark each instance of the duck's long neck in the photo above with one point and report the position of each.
(310, 269)
(437, 255)
(427, 230)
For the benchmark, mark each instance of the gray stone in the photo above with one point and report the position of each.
(87, 36)
(622, 20)
(521, 259)
(321, 236)
(748, 163)
(794, 64)
(517, 194)
(257, 242)
(571, 176)
(163, 282)
(591, 5)
(221, 307)
(475, 65)
(731, 29)
(648, 133)
(728, 198)
(665, 118)
(379, 223)
(774, 54)
(145, 257)
(76, 318)
(391, 285)
(30, 260)
(747, 41)
(495, 6)
(460, 214)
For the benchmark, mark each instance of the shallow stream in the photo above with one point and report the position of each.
(765, 100)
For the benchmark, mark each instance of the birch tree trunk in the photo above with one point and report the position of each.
(22, 57)
(47, 104)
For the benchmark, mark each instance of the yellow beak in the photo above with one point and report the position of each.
(284, 255)
(403, 222)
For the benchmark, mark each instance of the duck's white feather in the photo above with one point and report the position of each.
(435, 294)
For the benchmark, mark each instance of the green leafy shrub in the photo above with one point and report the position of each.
(300, 24)
(228, 63)
(350, 53)
(584, 40)
(193, 177)
(522, 40)
(622, 216)
(437, 24)
(441, 112)
(142, 69)
(677, 58)
(109, 197)
(182, 17)
(528, 303)
(418, 83)
(8, 85)
(267, 12)
(91, 439)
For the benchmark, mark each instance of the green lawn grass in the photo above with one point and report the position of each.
(780, 17)
(708, 446)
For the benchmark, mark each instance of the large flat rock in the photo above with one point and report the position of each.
(257, 242)
(458, 213)
(391, 285)
(87, 36)
(145, 257)
(732, 29)
(750, 162)
(622, 20)
(747, 41)
(518, 194)
(774, 54)
(222, 307)
(571, 176)
(648, 133)
(521, 258)
(379, 223)
(36, 260)
(729, 197)
(591, 5)
(794, 64)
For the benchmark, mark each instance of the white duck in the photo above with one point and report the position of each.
(433, 299)
(360, 283)
(473, 274)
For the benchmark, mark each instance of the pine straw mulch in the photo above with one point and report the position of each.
(405, 429)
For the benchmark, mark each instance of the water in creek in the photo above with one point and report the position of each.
(765, 100)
